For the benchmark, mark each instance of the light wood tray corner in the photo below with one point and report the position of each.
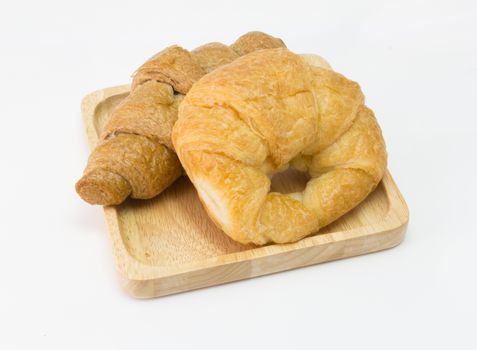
(168, 244)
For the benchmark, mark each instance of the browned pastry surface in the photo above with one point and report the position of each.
(135, 156)
(262, 113)
(213, 55)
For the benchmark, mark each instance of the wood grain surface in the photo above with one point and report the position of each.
(168, 244)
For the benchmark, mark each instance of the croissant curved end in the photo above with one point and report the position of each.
(103, 187)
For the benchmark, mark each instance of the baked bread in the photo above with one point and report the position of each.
(257, 116)
(135, 156)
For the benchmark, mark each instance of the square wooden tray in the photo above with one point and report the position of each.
(168, 244)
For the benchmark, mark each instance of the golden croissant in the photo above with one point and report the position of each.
(257, 116)
(135, 156)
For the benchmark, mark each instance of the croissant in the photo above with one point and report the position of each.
(259, 115)
(135, 156)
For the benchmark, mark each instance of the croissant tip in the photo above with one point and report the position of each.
(99, 190)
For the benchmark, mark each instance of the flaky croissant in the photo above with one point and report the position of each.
(135, 156)
(261, 114)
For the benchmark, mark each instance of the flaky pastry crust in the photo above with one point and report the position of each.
(262, 113)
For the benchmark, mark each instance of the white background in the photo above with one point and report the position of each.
(417, 64)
